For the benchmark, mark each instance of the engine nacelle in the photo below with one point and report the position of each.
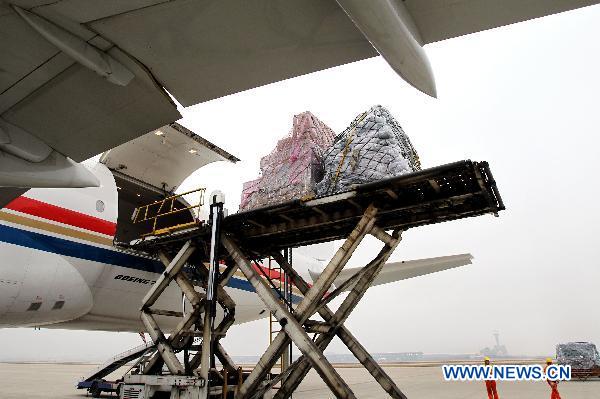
(38, 288)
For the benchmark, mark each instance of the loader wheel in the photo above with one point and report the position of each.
(95, 390)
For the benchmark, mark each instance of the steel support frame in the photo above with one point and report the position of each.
(295, 326)
(207, 357)
(172, 272)
(289, 324)
(303, 311)
(333, 324)
(180, 336)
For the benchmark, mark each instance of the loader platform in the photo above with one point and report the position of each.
(207, 255)
(443, 193)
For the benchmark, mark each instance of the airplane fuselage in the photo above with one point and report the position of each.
(60, 268)
(63, 264)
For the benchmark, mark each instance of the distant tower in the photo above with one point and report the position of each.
(497, 337)
(500, 350)
(497, 350)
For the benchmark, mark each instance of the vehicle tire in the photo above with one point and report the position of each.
(95, 390)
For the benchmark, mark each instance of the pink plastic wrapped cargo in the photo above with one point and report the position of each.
(293, 168)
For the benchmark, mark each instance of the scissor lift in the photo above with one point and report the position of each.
(384, 209)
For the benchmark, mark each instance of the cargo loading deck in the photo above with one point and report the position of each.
(239, 241)
(443, 193)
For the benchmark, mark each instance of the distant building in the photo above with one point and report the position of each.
(399, 357)
(497, 350)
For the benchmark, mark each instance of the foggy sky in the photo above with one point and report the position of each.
(525, 99)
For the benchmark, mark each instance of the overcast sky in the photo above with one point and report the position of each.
(525, 99)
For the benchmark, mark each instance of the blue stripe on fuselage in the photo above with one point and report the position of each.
(60, 246)
(75, 249)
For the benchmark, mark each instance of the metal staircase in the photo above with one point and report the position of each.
(94, 382)
(119, 360)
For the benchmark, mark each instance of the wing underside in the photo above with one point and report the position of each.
(194, 50)
(444, 19)
(78, 77)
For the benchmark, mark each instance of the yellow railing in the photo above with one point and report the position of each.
(168, 206)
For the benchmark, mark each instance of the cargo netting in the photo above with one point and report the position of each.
(372, 148)
(293, 168)
(579, 355)
(311, 161)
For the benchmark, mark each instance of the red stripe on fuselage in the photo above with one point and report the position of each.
(270, 273)
(62, 215)
(273, 274)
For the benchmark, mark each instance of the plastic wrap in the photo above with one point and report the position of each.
(293, 168)
(579, 355)
(373, 147)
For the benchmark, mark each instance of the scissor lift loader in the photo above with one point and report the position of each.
(383, 209)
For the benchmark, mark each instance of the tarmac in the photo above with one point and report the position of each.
(35, 380)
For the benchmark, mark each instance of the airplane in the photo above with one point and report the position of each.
(66, 263)
(78, 78)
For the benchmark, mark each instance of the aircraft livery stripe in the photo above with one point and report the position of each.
(54, 228)
(59, 246)
(64, 247)
(44, 210)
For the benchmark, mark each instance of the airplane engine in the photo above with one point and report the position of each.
(49, 289)
(27, 161)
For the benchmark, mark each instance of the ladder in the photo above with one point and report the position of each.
(283, 290)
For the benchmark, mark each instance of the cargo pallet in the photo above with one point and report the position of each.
(584, 374)
(383, 209)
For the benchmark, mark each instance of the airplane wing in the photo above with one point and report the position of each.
(78, 77)
(397, 271)
(400, 29)
(444, 19)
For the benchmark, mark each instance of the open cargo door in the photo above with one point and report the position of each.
(164, 157)
(151, 167)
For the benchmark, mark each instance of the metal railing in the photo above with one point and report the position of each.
(167, 207)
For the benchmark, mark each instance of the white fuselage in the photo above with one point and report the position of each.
(59, 267)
